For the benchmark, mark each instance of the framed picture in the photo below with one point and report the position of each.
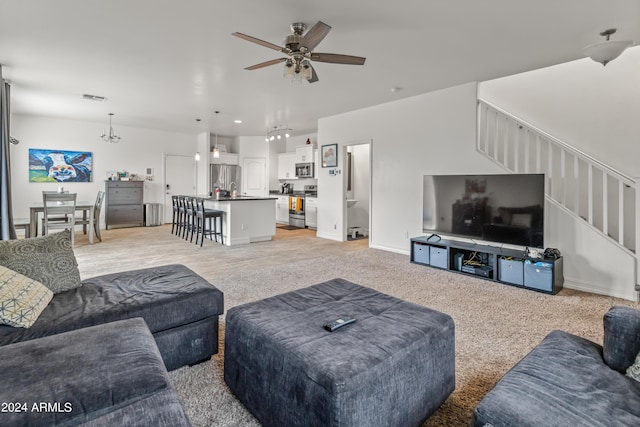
(60, 166)
(329, 155)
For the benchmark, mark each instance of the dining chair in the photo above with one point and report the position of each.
(55, 206)
(97, 208)
(64, 218)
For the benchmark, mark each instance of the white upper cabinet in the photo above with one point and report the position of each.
(287, 166)
(304, 154)
(224, 159)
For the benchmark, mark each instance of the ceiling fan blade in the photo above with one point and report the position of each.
(314, 75)
(315, 35)
(258, 41)
(336, 58)
(266, 64)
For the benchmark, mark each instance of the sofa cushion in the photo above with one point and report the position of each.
(21, 299)
(87, 373)
(49, 260)
(166, 297)
(562, 382)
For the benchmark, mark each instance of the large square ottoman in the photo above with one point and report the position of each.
(393, 367)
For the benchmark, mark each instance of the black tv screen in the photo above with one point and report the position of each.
(506, 208)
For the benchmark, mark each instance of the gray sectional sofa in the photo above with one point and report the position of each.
(106, 375)
(177, 320)
(570, 381)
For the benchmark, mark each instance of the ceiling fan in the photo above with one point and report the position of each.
(298, 47)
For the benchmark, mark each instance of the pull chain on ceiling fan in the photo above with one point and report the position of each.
(299, 50)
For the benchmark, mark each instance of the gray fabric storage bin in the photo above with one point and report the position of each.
(421, 253)
(393, 367)
(438, 257)
(539, 276)
(511, 271)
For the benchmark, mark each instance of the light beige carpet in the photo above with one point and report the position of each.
(496, 325)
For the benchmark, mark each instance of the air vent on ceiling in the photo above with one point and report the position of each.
(94, 97)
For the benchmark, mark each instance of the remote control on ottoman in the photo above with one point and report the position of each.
(338, 323)
(394, 366)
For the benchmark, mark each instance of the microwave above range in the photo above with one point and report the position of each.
(304, 170)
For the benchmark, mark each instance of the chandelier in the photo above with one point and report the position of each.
(607, 50)
(278, 132)
(112, 136)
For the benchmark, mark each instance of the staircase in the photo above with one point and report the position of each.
(576, 182)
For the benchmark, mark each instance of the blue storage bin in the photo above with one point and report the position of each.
(438, 257)
(539, 275)
(511, 271)
(421, 253)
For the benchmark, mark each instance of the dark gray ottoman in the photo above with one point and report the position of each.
(393, 367)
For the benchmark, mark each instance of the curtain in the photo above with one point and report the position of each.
(7, 231)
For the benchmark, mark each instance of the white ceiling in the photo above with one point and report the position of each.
(164, 63)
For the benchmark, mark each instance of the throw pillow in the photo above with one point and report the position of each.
(633, 371)
(21, 299)
(49, 260)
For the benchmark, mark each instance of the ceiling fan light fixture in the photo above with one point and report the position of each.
(608, 50)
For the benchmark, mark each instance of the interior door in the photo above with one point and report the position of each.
(254, 176)
(179, 179)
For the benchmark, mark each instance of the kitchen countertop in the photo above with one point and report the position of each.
(236, 199)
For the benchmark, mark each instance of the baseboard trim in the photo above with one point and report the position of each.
(388, 249)
(578, 285)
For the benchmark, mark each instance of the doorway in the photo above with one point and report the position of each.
(254, 176)
(179, 179)
(357, 181)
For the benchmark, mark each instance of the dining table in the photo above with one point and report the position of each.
(85, 207)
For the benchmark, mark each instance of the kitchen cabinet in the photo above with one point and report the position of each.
(311, 212)
(304, 154)
(224, 159)
(287, 166)
(282, 210)
(124, 203)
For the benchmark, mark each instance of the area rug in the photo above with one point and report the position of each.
(496, 325)
(288, 227)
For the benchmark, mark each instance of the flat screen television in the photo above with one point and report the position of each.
(507, 208)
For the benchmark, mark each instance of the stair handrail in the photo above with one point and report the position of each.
(603, 166)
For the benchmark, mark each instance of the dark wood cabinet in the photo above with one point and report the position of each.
(497, 263)
(124, 203)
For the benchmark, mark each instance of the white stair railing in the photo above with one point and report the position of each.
(600, 195)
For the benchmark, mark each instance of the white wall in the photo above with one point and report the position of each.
(427, 134)
(435, 133)
(595, 109)
(582, 103)
(139, 149)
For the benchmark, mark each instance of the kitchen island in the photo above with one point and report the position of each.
(246, 219)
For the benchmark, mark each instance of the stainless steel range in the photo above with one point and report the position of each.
(297, 205)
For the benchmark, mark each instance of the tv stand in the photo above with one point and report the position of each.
(503, 265)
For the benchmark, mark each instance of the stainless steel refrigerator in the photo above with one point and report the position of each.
(222, 176)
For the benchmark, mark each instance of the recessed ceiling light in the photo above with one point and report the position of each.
(237, 121)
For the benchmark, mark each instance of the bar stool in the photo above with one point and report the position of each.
(212, 216)
(190, 218)
(176, 213)
(182, 213)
